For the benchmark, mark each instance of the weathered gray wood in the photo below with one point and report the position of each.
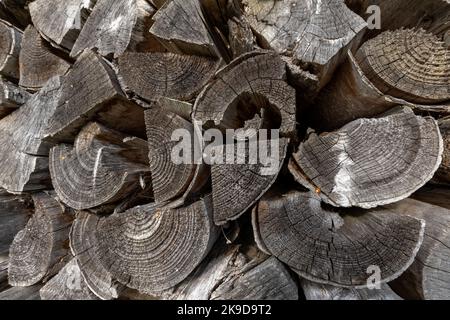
(103, 166)
(316, 33)
(435, 195)
(153, 75)
(317, 291)
(11, 97)
(240, 38)
(91, 91)
(3, 274)
(20, 293)
(38, 61)
(336, 247)
(10, 40)
(39, 249)
(24, 152)
(148, 248)
(68, 284)
(429, 276)
(370, 162)
(115, 26)
(190, 36)
(443, 174)
(60, 21)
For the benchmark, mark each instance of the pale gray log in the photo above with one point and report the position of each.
(443, 174)
(10, 40)
(11, 97)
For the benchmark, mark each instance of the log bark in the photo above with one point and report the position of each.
(10, 40)
(317, 242)
(24, 152)
(359, 165)
(142, 247)
(60, 22)
(317, 292)
(38, 250)
(104, 166)
(303, 30)
(11, 97)
(68, 284)
(114, 27)
(38, 61)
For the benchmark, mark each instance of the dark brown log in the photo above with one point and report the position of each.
(103, 166)
(60, 22)
(303, 29)
(24, 152)
(241, 38)
(115, 26)
(190, 36)
(443, 174)
(148, 248)
(19, 293)
(156, 75)
(10, 40)
(38, 62)
(435, 195)
(370, 162)
(15, 11)
(336, 247)
(68, 284)
(317, 291)
(91, 91)
(429, 276)
(11, 97)
(38, 251)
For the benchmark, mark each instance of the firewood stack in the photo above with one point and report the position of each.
(92, 205)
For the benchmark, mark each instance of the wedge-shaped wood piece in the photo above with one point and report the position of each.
(316, 291)
(60, 21)
(24, 152)
(153, 75)
(37, 250)
(429, 276)
(103, 166)
(410, 64)
(191, 35)
(148, 248)
(38, 61)
(171, 178)
(68, 284)
(316, 33)
(11, 97)
(10, 40)
(329, 247)
(91, 90)
(370, 162)
(115, 26)
(252, 85)
(443, 174)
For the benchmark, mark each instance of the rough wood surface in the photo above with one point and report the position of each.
(443, 174)
(317, 241)
(10, 40)
(102, 167)
(38, 62)
(436, 195)
(38, 250)
(359, 165)
(11, 97)
(115, 26)
(20, 293)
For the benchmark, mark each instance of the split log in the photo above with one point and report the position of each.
(20, 293)
(335, 247)
(24, 152)
(10, 40)
(191, 35)
(148, 248)
(240, 38)
(91, 91)
(172, 180)
(429, 276)
(68, 284)
(435, 195)
(39, 249)
(114, 27)
(443, 174)
(409, 64)
(370, 162)
(60, 22)
(15, 11)
(317, 291)
(303, 29)
(156, 75)
(11, 97)
(38, 61)
(104, 166)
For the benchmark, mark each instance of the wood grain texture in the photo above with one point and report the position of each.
(443, 174)
(370, 162)
(20, 293)
(436, 195)
(11, 97)
(10, 40)
(336, 247)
